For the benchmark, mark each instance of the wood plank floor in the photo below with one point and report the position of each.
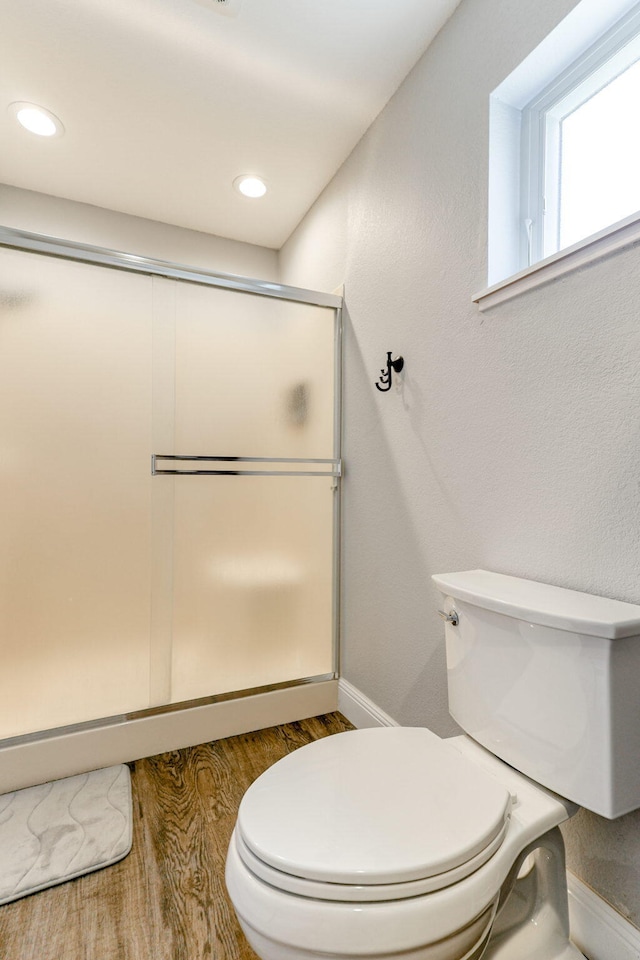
(167, 899)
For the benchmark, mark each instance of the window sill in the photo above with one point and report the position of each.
(623, 234)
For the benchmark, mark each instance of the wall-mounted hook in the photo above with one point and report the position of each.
(385, 379)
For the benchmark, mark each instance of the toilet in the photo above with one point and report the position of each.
(394, 843)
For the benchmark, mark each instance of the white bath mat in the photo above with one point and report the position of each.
(60, 830)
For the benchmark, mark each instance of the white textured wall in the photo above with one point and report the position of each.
(514, 442)
(68, 220)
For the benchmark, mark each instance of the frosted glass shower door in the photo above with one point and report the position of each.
(75, 492)
(253, 555)
(136, 570)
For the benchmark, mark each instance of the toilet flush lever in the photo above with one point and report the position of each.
(451, 618)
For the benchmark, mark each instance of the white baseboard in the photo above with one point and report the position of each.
(598, 930)
(359, 709)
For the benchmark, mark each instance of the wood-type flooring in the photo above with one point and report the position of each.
(167, 899)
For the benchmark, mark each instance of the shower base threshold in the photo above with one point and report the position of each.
(52, 755)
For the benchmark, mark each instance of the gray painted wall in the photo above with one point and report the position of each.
(85, 223)
(513, 443)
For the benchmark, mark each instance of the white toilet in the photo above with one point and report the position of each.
(392, 842)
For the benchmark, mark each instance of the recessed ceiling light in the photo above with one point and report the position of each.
(250, 186)
(36, 119)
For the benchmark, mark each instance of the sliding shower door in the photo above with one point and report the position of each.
(75, 527)
(168, 475)
(251, 574)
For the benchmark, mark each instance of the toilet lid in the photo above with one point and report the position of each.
(377, 806)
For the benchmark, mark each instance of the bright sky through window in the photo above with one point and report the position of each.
(600, 159)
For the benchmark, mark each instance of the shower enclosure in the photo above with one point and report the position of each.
(169, 467)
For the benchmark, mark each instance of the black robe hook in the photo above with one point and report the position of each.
(386, 377)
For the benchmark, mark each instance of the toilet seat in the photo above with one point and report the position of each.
(360, 893)
(319, 823)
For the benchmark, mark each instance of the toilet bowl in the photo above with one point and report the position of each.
(393, 843)
(385, 842)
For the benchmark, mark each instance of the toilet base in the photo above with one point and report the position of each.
(533, 923)
(268, 949)
(528, 919)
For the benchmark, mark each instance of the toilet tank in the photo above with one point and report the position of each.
(548, 680)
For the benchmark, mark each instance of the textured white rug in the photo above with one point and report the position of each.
(60, 830)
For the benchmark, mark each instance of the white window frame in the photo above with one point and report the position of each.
(524, 108)
(542, 118)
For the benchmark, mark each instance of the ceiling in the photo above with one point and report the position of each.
(166, 102)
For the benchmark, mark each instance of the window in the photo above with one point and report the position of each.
(581, 146)
(564, 165)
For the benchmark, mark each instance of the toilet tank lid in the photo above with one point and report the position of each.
(543, 604)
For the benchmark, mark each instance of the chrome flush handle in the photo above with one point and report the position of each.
(451, 618)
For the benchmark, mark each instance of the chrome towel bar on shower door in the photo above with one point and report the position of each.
(332, 468)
